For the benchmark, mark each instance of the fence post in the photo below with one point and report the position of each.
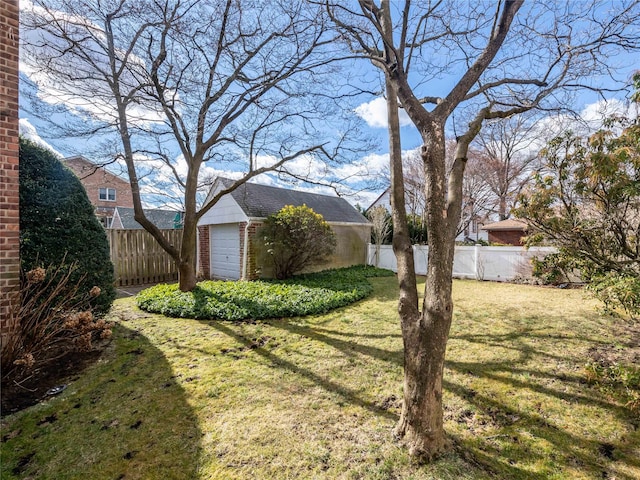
(476, 260)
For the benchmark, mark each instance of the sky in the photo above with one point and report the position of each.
(371, 110)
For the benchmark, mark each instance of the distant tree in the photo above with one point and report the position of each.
(587, 203)
(508, 151)
(380, 228)
(296, 238)
(58, 226)
(477, 198)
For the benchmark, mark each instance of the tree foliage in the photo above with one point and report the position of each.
(587, 203)
(58, 226)
(296, 238)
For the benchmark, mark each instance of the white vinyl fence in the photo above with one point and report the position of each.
(501, 264)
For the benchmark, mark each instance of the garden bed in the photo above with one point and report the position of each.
(309, 294)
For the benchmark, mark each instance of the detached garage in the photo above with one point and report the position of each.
(236, 217)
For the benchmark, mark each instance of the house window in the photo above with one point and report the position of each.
(108, 194)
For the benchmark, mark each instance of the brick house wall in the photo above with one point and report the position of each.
(204, 253)
(507, 237)
(9, 159)
(93, 178)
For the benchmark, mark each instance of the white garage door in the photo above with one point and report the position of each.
(225, 251)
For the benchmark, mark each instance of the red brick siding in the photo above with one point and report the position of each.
(9, 160)
(204, 252)
(93, 180)
(507, 237)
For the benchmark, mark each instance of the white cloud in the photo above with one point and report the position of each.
(28, 131)
(596, 113)
(89, 93)
(375, 114)
(591, 118)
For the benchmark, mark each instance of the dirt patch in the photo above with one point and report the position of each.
(626, 351)
(40, 383)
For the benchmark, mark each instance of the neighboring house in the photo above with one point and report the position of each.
(472, 232)
(163, 219)
(105, 190)
(507, 232)
(413, 204)
(233, 222)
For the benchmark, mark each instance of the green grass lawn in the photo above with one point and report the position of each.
(318, 396)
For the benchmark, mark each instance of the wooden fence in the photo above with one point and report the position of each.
(138, 258)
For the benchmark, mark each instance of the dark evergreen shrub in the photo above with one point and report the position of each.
(58, 225)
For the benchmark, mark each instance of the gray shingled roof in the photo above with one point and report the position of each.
(163, 219)
(259, 201)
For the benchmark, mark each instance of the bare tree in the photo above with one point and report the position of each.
(380, 228)
(500, 60)
(478, 200)
(208, 82)
(509, 147)
(414, 184)
(477, 197)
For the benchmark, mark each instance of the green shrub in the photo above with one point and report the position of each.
(417, 230)
(621, 381)
(551, 269)
(617, 292)
(58, 225)
(310, 294)
(295, 238)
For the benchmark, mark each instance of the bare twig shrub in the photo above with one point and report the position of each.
(380, 228)
(49, 320)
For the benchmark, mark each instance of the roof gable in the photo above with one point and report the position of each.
(163, 219)
(509, 224)
(84, 168)
(260, 201)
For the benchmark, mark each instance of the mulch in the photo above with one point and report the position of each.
(32, 388)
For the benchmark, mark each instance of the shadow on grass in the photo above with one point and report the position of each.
(325, 383)
(520, 429)
(568, 452)
(347, 347)
(125, 417)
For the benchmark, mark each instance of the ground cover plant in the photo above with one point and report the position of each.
(318, 396)
(309, 294)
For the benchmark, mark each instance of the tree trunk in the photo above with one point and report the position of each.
(186, 276)
(421, 422)
(187, 260)
(425, 334)
(502, 208)
(425, 338)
